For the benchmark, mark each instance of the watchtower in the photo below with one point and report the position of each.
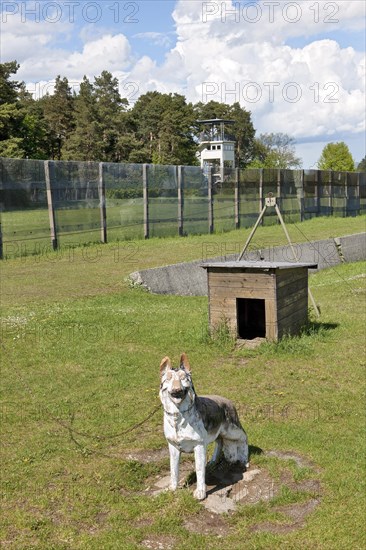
(216, 146)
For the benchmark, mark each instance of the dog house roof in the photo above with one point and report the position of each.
(260, 265)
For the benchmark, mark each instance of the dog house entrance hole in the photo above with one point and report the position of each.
(251, 318)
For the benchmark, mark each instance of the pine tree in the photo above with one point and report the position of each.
(361, 167)
(11, 116)
(164, 128)
(59, 114)
(85, 142)
(109, 109)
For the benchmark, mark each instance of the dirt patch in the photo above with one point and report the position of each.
(296, 512)
(146, 457)
(159, 542)
(301, 461)
(207, 523)
(229, 486)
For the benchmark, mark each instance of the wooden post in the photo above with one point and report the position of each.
(346, 195)
(301, 196)
(145, 190)
(330, 202)
(278, 188)
(210, 201)
(180, 180)
(317, 199)
(261, 204)
(1, 243)
(237, 198)
(102, 205)
(49, 171)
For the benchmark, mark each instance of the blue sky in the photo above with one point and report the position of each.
(299, 66)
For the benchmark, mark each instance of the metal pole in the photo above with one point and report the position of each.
(295, 256)
(49, 177)
(252, 232)
(102, 206)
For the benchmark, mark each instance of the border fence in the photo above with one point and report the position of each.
(47, 204)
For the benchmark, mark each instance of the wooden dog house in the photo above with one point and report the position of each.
(258, 299)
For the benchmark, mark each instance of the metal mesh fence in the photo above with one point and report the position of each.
(76, 201)
(224, 200)
(24, 211)
(162, 200)
(124, 201)
(195, 201)
(47, 204)
(249, 197)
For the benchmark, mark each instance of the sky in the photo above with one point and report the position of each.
(297, 66)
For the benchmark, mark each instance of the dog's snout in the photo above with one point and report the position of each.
(176, 385)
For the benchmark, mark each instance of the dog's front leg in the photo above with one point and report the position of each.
(200, 463)
(174, 466)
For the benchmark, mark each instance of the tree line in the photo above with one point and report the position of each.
(97, 124)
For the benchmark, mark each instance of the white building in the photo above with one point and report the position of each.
(216, 148)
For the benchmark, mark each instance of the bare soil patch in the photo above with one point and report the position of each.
(229, 486)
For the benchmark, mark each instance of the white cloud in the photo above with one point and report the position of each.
(111, 53)
(158, 38)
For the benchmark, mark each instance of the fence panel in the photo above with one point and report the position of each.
(195, 201)
(311, 199)
(162, 200)
(23, 207)
(224, 201)
(339, 194)
(124, 201)
(249, 196)
(325, 192)
(290, 195)
(76, 201)
(362, 191)
(353, 194)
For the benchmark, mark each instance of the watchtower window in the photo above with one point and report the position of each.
(251, 318)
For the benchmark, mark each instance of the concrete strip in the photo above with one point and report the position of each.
(189, 279)
(353, 247)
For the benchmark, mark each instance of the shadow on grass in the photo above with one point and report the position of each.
(316, 327)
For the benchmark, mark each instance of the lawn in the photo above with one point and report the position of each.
(81, 351)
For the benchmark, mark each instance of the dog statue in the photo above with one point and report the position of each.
(192, 422)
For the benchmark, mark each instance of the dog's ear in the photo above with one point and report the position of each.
(184, 362)
(165, 364)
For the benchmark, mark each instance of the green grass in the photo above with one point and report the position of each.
(81, 349)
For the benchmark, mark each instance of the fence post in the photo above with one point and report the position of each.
(49, 171)
(261, 202)
(330, 201)
(210, 201)
(145, 191)
(1, 243)
(317, 194)
(180, 180)
(278, 190)
(237, 198)
(102, 205)
(301, 195)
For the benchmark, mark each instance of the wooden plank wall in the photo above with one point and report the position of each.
(285, 293)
